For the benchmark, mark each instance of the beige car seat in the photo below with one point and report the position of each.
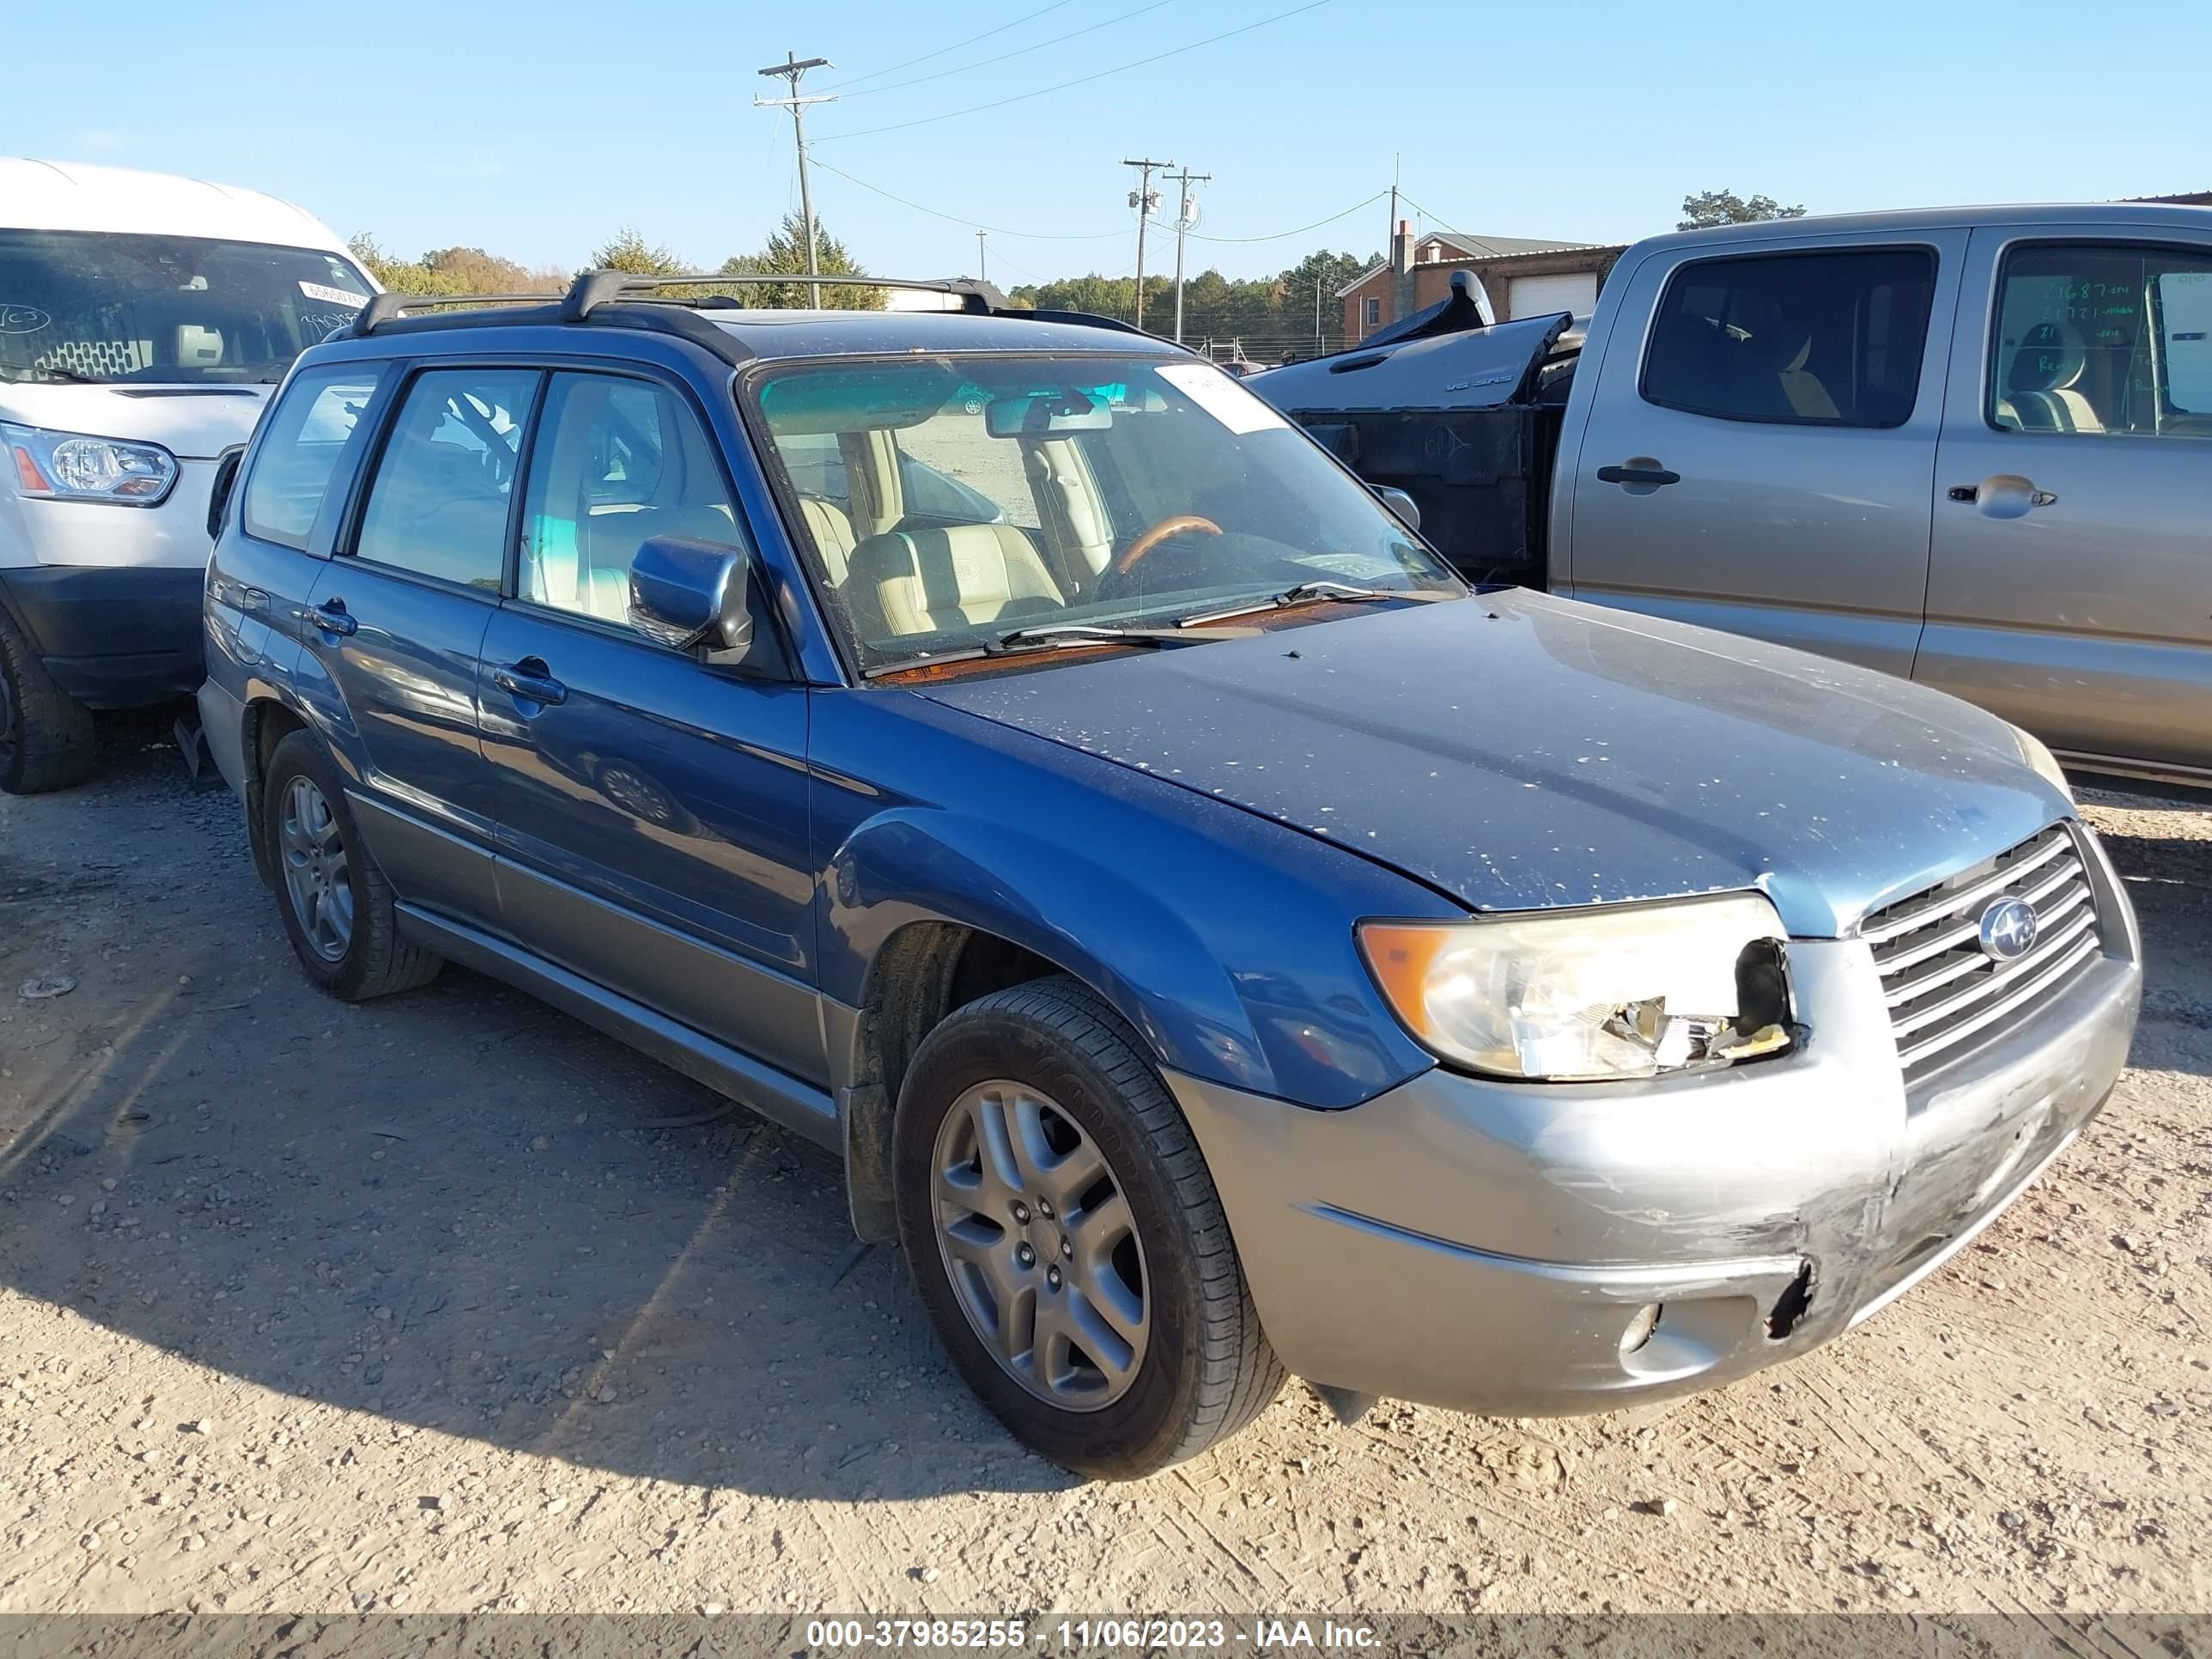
(916, 581)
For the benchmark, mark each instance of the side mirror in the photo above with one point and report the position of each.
(226, 479)
(688, 594)
(1401, 505)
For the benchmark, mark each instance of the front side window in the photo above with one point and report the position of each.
(104, 307)
(1827, 338)
(306, 432)
(615, 462)
(1092, 490)
(438, 505)
(2104, 341)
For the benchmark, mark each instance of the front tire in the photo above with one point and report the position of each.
(338, 910)
(1066, 1239)
(46, 737)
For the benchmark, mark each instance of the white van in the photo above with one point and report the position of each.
(144, 319)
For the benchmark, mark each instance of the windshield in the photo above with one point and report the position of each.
(1084, 492)
(95, 306)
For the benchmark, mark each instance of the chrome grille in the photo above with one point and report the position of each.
(1943, 989)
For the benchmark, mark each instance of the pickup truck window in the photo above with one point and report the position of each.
(2104, 341)
(1830, 337)
(306, 434)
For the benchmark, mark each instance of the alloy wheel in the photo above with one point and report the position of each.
(318, 876)
(1041, 1247)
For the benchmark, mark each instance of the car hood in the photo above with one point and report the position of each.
(1514, 750)
(193, 422)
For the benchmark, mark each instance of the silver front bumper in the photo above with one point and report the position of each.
(1490, 1246)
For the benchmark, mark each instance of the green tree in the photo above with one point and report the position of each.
(786, 252)
(399, 275)
(1724, 207)
(630, 252)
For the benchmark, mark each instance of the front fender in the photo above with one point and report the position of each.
(925, 865)
(1224, 938)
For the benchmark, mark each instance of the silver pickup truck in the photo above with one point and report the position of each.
(1971, 446)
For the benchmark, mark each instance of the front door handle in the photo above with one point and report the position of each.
(529, 681)
(332, 617)
(1636, 475)
(2002, 495)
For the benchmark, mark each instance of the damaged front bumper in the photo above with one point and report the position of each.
(1544, 1249)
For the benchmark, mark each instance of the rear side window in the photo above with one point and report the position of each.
(1827, 338)
(439, 504)
(2104, 341)
(292, 470)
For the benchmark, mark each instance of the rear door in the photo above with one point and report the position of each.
(394, 625)
(652, 808)
(2070, 589)
(1761, 438)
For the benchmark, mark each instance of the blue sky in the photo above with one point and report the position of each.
(537, 131)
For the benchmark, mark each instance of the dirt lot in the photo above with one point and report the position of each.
(447, 1303)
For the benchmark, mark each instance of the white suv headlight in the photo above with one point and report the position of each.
(70, 466)
(1613, 992)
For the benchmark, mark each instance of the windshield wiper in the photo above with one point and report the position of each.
(54, 372)
(1314, 592)
(1062, 637)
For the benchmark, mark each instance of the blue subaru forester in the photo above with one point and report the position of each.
(1218, 943)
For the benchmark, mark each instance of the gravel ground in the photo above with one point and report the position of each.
(446, 1303)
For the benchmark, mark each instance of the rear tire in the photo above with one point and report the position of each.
(338, 910)
(1103, 1317)
(46, 737)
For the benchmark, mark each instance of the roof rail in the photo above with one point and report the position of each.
(386, 307)
(597, 288)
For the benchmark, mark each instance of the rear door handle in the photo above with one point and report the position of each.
(332, 617)
(2004, 497)
(529, 681)
(1638, 475)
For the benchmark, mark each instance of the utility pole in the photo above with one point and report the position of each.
(1186, 216)
(1144, 199)
(791, 69)
(1317, 351)
(982, 258)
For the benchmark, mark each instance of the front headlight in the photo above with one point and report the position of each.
(1579, 995)
(2033, 751)
(69, 467)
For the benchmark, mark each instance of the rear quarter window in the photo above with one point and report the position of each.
(306, 434)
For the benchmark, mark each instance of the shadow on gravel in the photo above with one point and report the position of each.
(455, 1208)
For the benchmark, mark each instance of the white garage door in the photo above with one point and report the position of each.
(1534, 296)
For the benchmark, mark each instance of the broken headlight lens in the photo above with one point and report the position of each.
(1569, 995)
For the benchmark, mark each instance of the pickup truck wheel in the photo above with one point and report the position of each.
(338, 908)
(1067, 1238)
(46, 738)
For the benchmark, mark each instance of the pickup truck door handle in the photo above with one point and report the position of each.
(2005, 495)
(332, 616)
(1638, 475)
(529, 681)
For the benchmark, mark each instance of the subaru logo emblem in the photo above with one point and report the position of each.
(2007, 930)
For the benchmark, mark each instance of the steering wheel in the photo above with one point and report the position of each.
(1181, 524)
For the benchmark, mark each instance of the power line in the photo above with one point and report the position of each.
(972, 224)
(1197, 236)
(1018, 51)
(1476, 243)
(877, 74)
(1081, 79)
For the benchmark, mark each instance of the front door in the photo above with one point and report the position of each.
(1764, 468)
(652, 808)
(395, 623)
(2070, 589)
